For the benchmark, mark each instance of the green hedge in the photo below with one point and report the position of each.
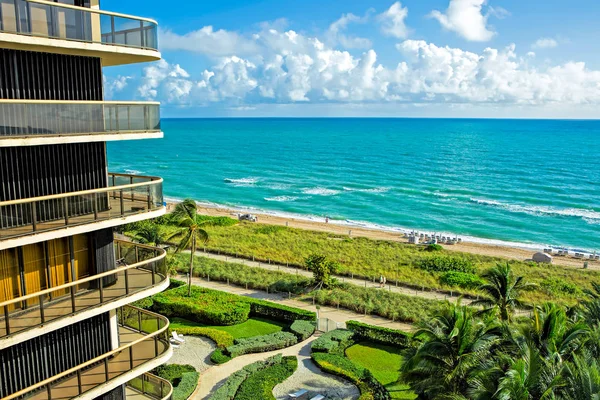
(205, 306)
(218, 357)
(379, 334)
(302, 329)
(446, 262)
(461, 279)
(221, 338)
(333, 341)
(260, 344)
(260, 384)
(186, 386)
(229, 389)
(370, 388)
(279, 312)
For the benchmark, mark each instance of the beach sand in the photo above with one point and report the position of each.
(467, 247)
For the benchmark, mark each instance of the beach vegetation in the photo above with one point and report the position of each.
(322, 269)
(434, 247)
(462, 280)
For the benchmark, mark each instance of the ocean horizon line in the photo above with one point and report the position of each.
(383, 118)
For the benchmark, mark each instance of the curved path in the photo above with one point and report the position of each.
(214, 377)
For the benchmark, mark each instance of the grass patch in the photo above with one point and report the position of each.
(253, 327)
(384, 362)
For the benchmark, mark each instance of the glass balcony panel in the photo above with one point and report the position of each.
(58, 21)
(150, 386)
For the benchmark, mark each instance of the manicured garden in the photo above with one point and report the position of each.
(252, 327)
(184, 379)
(412, 265)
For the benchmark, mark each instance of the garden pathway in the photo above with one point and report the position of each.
(354, 281)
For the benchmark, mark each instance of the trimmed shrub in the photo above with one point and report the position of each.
(279, 312)
(302, 329)
(187, 385)
(379, 334)
(204, 305)
(369, 387)
(434, 247)
(173, 372)
(445, 263)
(175, 283)
(332, 341)
(260, 384)
(461, 279)
(218, 357)
(228, 390)
(260, 344)
(221, 338)
(145, 303)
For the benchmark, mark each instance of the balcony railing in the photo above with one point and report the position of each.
(127, 195)
(31, 118)
(139, 268)
(151, 387)
(63, 21)
(142, 337)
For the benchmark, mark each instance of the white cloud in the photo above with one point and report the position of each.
(466, 18)
(207, 41)
(113, 85)
(392, 21)
(292, 68)
(544, 43)
(335, 33)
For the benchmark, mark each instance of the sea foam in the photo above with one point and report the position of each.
(241, 181)
(282, 199)
(319, 191)
(587, 215)
(369, 190)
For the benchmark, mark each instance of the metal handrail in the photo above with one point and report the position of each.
(152, 181)
(112, 272)
(163, 383)
(93, 10)
(103, 357)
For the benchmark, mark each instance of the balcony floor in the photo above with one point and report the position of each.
(138, 280)
(130, 207)
(118, 365)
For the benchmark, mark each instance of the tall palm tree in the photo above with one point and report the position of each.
(151, 234)
(190, 232)
(503, 290)
(454, 348)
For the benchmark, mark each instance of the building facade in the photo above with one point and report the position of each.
(67, 326)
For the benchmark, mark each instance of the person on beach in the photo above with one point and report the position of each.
(381, 278)
(326, 220)
(384, 282)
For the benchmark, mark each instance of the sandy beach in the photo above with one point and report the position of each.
(467, 247)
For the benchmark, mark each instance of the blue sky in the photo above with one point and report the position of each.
(439, 58)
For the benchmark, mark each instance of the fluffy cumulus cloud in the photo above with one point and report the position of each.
(336, 32)
(466, 18)
(544, 43)
(113, 85)
(393, 21)
(287, 67)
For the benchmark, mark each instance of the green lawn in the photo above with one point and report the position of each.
(252, 327)
(384, 363)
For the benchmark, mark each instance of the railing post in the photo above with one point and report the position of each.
(140, 322)
(144, 384)
(6, 322)
(106, 369)
(121, 202)
(153, 273)
(66, 210)
(42, 318)
(95, 206)
(34, 216)
(114, 184)
(73, 299)
(126, 281)
(132, 189)
(131, 357)
(101, 287)
(49, 390)
(149, 198)
(79, 388)
(142, 35)
(156, 346)
(112, 30)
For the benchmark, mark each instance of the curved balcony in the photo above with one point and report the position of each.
(129, 198)
(143, 345)
(42, 25)
(148, 386)
(140, 272)
(39, 122)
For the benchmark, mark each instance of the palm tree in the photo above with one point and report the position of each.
(503, 290)
(190, 232)
(582, 379)
(151, 234)
(454, 348)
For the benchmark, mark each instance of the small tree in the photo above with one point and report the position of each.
(322, 269)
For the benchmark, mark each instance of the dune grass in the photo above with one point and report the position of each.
(384, 362)
(253, 327)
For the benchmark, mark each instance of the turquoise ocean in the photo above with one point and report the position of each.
(525, 182)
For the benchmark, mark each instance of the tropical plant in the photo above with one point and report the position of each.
(322, 270)
(190, 232)
(502, 291)
(582, 379)
(151, 234)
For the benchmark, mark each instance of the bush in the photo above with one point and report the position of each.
(445, 263)
(204, 305)
(379, 334)
(260, 344)
(557, 285)
(279, 312)
(173, 372)
(145, 303)
(369, 387)
(461, 279)
(302, 329)
(434, 247)
(228, 390)
(187, 385)
(218, 357)
(332, 341)
(260, 384)
(221, 338)
(216, 221)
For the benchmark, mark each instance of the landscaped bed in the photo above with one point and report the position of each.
(254, 326)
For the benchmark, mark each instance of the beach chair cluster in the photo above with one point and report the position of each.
(577, 255)
(419, 237)
(303, 395)
(176, 340)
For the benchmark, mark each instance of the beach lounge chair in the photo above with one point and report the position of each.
(300, 395)
(174, 344)
(178, 338)
(318, 397)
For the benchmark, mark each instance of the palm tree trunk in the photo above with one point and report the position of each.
(191, 265)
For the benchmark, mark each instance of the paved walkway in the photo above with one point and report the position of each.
(354, 281)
